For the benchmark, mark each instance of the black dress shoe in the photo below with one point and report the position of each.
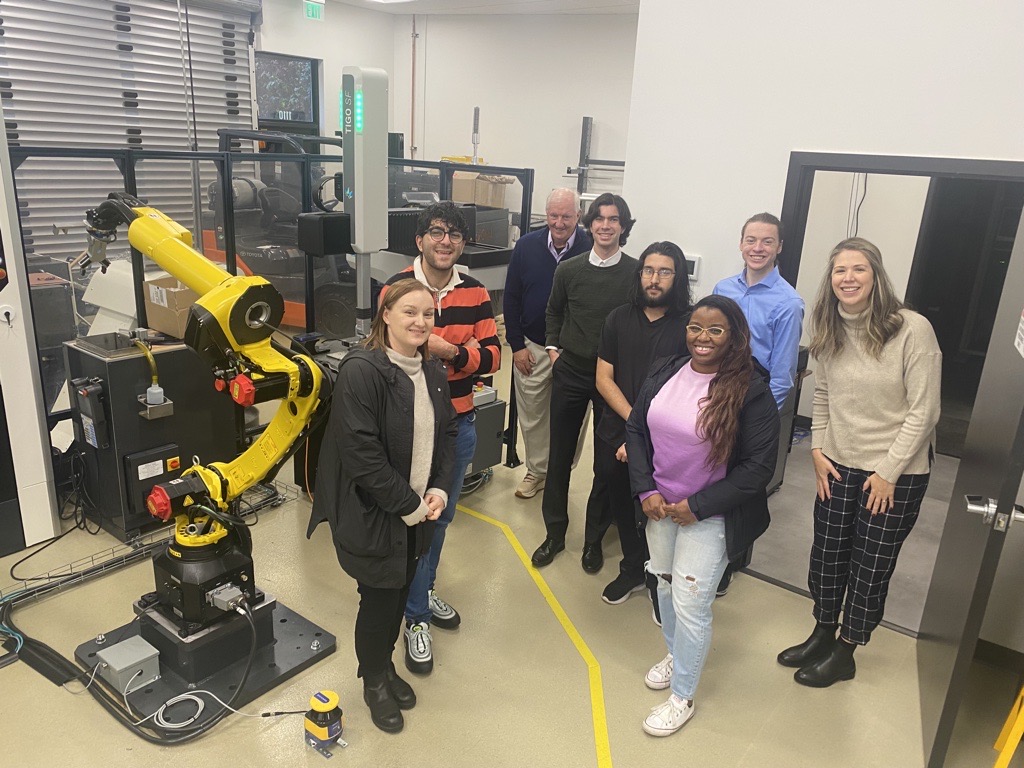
(401, 691)
(593, 558)
(384, 709)
(546, 552)
(836, 665)
(811, 649)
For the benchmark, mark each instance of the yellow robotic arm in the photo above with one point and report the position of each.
(231, 328)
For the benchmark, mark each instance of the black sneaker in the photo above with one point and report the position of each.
(723, 585)
(652, 588)
(619, 590)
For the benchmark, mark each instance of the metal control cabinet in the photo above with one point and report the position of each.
(125, 454)
(490, 428)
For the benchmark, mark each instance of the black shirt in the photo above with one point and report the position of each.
(630, 343)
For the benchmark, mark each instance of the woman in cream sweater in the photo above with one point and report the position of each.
(876, 403)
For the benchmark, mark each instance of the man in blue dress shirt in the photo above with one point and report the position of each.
(774, 311)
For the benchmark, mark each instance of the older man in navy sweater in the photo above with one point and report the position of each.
(527, 288)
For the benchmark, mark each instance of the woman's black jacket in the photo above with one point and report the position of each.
(362, 487)
(739, 496)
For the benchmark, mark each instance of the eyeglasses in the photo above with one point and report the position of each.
(715, 331)
(437, 235)
(662, 273)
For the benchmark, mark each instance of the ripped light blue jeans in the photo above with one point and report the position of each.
(695, 556)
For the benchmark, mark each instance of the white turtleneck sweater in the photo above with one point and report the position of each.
(879, 414)
(422, 434)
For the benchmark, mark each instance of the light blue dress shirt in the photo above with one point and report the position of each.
(775, 313)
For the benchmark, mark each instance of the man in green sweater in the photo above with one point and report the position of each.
(586, 288)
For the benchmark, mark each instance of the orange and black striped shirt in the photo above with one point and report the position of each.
(462, 311)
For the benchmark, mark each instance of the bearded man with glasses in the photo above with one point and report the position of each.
(647, 328)
(465, 337)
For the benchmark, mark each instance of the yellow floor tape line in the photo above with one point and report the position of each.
(604, 752)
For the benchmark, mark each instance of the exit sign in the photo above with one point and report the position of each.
(313, 10)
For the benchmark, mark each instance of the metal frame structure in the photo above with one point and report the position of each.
(126, 161)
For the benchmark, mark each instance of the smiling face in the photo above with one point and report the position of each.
(439, 256)
(606, 229)
(562, 215)
(707, 351)
(853, 279)
(410, 322)
(760, 247)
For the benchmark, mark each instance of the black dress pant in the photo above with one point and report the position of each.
(632, 537)
(379, 620)
(571, 390)
(854, 552)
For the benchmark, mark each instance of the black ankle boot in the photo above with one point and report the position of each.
(384, 709)
(811, 649)
(837, 665)
(401, 691)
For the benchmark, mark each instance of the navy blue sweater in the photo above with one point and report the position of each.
(531, 271)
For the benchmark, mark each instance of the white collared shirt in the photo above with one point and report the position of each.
(611, 261)
(456, 278)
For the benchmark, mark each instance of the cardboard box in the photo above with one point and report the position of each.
(479, 188)
(167, 303)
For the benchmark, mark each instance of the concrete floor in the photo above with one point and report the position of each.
(540, 673)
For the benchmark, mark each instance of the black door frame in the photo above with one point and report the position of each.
(946, 642)
(796, 202)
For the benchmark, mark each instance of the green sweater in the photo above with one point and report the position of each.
(879, 414)
(582, 296)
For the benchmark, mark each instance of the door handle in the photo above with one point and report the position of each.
(979, 505)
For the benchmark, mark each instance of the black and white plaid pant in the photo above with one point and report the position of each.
(854, 554)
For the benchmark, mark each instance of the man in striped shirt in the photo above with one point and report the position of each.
(466, 339)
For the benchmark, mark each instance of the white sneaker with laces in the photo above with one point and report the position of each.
(419, 657)
(665, 719)
(530, 486)
(445, 616)
(659, 677)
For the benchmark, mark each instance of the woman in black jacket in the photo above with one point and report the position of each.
(702, 441)
(386, 457)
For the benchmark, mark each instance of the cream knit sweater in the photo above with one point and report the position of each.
(879, 414)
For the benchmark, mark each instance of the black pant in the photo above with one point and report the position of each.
(379, 620)
(571, 390)
(854, 552)
(623, 509)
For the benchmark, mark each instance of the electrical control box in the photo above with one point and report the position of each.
(124, 452)
(129, 665)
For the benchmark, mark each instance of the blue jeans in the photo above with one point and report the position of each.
(695, 556)
(417, 608)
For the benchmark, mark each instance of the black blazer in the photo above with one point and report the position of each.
(740, 496)
(362, 488)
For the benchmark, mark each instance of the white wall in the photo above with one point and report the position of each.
(533, 77)
(347, 36)
(723, 92)
(890, 217)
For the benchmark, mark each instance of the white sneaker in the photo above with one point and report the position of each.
(665, 719)
(419, 657)
(659, 677)
(530, 486)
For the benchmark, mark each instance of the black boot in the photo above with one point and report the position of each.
(811, 649)
(384, 709)
(837, 665)
(401, 691)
